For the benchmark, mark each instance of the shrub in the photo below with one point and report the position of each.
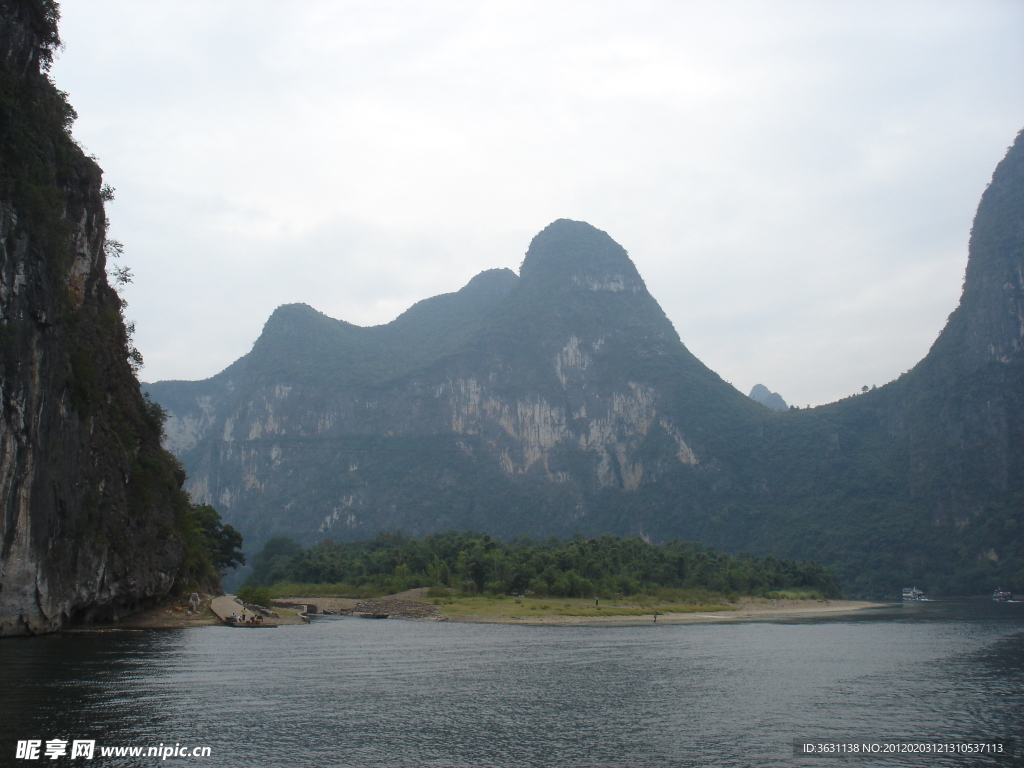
(255, 596)
(794, 594)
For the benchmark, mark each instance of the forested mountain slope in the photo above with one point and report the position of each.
(563, 400)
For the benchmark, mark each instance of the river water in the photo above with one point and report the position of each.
(351, 692)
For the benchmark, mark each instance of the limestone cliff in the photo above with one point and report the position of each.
(88, 497)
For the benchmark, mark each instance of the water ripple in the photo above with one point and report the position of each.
(346, 692)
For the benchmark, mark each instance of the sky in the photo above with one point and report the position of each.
(795, 181)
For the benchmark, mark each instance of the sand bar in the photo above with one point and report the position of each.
(745, 610)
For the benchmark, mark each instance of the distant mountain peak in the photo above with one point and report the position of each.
(576, 255)
(297, 320)
(988, 325)
(292, 312)
(767, 398)
(491, 281)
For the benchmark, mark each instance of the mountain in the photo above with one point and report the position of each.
(919, 481)
(767, 398)
(505, 406)
(91, 502)
(563, 401)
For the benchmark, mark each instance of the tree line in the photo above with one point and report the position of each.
(477, 563)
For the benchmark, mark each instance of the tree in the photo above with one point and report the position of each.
(277, 552)
(224, 541)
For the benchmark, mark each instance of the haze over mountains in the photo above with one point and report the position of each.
(563, 401)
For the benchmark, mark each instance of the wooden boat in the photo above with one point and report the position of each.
(248, 624)
(373, 615)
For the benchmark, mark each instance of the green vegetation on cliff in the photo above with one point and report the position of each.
(477, 563)
(40, 159)
(211, 546)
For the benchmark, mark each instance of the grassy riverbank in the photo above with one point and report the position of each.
(558, 613)
(500, 606)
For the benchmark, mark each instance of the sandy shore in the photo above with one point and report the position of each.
(746, 610)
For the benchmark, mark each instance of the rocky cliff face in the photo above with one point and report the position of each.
(88, 497)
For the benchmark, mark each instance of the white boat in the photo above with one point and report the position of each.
(1000, 596)
(913, 593)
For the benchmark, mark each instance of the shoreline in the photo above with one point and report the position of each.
(746, 610)
(172, 614)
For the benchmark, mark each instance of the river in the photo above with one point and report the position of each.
(351, 692)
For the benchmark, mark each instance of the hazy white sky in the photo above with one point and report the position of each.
(794, 180)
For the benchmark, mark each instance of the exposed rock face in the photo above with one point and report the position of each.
(87, 494)
(767, 398)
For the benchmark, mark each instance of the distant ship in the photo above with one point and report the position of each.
(1000, 596)
(913, 593)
